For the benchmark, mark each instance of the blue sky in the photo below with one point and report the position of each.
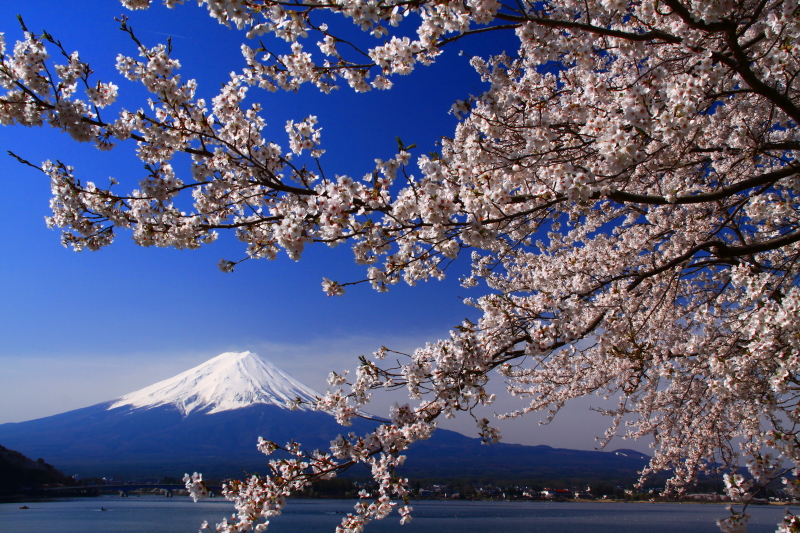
(81, 328)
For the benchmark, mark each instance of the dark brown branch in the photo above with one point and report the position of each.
(719, 249)
(741, 65)
(724, 192)
(572, 25)
(681, 10)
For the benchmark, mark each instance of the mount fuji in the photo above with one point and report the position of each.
(209, 418)
(227, 382)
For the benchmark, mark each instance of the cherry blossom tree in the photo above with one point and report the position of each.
(626, 189)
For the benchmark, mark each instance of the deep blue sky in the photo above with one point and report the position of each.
(80, 328)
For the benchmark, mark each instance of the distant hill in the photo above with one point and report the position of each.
(19, 473)
(209, 418)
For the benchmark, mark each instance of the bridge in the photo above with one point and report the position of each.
(124, 489)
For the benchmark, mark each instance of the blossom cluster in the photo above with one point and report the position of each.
(626, 187)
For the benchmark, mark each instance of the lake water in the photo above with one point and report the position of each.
(156, 514)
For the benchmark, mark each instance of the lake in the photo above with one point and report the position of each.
(157, 514)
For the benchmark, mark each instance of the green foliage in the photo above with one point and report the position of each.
(19, 473)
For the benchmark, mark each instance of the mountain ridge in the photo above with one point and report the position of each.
(209, 419)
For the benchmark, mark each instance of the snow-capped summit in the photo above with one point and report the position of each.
(229, 381)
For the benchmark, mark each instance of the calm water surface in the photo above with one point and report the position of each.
(153, 514)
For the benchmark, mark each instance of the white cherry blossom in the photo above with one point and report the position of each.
(625, 187)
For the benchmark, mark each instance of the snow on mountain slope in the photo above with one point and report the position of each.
(229, 381)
